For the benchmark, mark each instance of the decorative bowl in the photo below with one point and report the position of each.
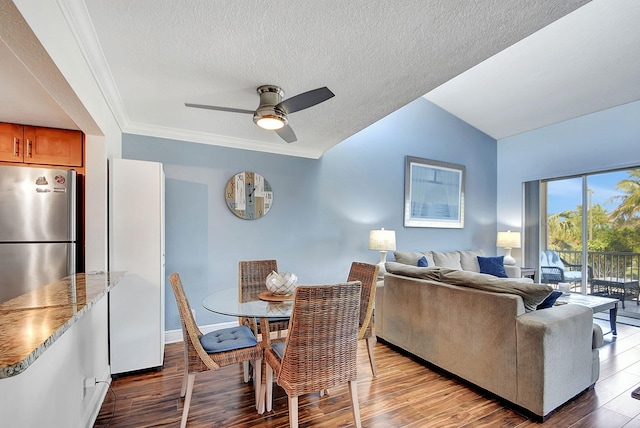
(281, 284)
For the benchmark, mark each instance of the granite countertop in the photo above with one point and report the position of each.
(30, 323)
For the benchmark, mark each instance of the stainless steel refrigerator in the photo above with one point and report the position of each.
(37, 228)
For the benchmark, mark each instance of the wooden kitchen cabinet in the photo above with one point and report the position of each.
(11, 142)
(42, 146)
(52, 146)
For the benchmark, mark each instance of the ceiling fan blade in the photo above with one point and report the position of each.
(287, 134)
(229, 109)
(305, 100)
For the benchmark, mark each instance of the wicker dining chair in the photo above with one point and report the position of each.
(320, 350)
(367, 274)
(252, 275)
(212, 350)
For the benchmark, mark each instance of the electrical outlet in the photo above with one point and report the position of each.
(89, 382)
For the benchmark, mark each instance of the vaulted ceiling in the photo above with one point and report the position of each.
(504, 66)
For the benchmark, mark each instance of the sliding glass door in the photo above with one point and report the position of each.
(589, 230)
(562, 233)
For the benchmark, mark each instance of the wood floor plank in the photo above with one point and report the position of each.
(406, 393)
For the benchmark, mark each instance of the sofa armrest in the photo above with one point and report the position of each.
(554, 351)
(512, 271)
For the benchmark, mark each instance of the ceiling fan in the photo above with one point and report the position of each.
(272, 112)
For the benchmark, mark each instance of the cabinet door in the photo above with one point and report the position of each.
(11, 142)
(52, 146)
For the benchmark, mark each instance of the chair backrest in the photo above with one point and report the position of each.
(367, 274)
(321, 346)
(543, 259)
(195, 354)
(252, 275)
(553, 259)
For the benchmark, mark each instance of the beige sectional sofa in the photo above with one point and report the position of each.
(535, 359)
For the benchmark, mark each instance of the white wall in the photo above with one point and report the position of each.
(323, 209)
(80, 96)
(51, 392)
(601, 141)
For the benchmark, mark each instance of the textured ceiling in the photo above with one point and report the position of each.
(375, 56)
(151, 56)
(586, 62)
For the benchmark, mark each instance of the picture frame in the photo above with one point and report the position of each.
(433, 193)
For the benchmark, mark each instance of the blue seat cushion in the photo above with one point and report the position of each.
(228, 339)
(278, 348)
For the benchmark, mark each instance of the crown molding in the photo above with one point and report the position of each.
(79, 21)
(221, 140)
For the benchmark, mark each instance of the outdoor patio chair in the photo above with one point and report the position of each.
(554, 269)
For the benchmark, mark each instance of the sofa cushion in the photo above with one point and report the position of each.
(432, 273)
(407, 257)
(492, 266)
(429, 256)
(449, 260)
(532, 294)
(469, 260)
(550, 300)
(412, 257)
(422, 262)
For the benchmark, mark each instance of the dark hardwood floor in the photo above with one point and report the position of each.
(406, 393)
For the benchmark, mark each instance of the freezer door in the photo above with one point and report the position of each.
(37, 204)
(25, 267)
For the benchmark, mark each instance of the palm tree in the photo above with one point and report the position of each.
(629, 208)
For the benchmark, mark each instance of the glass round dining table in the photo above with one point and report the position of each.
(227, 302)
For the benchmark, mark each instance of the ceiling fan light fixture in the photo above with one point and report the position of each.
(270, 122)
(272, 111)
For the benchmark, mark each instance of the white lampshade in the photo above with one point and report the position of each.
(382, 239)
(508, 240)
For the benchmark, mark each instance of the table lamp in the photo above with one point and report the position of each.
(508, 240)
(382, 240)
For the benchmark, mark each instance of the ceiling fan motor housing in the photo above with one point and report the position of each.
(270, 96)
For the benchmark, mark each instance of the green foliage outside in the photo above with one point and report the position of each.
(617, 231)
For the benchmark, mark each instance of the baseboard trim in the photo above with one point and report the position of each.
(173, 336)
(97, 398)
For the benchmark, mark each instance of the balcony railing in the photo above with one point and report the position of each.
(612, 274)
(607, 264)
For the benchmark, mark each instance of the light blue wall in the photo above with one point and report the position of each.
(323, 209)
(605, 140)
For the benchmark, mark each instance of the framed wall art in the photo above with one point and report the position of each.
(433, 193)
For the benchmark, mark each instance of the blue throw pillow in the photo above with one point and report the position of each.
(550, 300)
(422, 262)
(493, 266)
